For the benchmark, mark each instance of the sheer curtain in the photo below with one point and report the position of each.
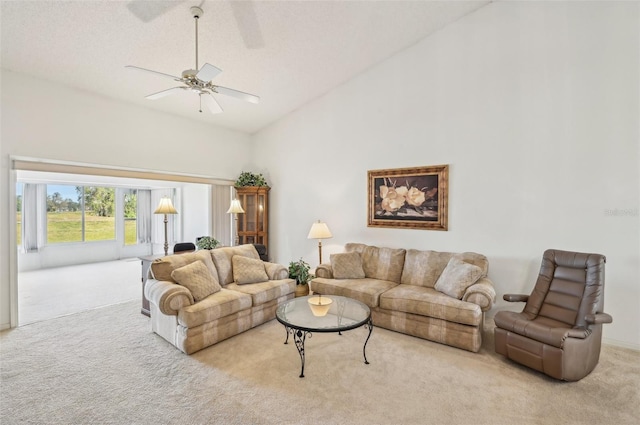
(144, 214)
(221, 222)
(34, 212)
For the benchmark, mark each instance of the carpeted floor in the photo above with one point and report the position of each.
(58, 291)
(104, 366)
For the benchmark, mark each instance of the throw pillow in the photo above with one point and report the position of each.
(347, 265)
(457, 277)
(197, 278)
(222, 259)
(248, 270)
(161, 268)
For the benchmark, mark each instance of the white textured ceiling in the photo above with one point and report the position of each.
(286, 52)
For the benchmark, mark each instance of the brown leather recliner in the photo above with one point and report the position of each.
(560, 329)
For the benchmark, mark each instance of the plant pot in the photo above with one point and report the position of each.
(302, 290)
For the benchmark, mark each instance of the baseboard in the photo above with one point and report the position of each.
(622, 344)
(4, 326)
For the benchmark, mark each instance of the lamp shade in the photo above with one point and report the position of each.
(165, 207)
(235, 207)
(319, 230)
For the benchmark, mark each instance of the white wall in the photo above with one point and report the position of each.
(45, 120)
(535, 108)
(196, 204)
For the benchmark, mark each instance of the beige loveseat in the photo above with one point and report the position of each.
(201, 298)
(439, 296)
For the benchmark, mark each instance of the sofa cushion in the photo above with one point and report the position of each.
(365, 290)
(162, 268)
(347, 265)
(423, 268)
(248, 270)
(429, 302)
(213, 307)
(222, 259)
(457, 277)
(197, 278)
(380, 263)
(264, 292)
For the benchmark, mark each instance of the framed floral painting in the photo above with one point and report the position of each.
(409, 197)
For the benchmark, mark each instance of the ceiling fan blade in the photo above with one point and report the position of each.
(154, 72)
(164, 93)
(238, 94)
(208, 72)
(211, 103)
(248, 24)
(147, 11)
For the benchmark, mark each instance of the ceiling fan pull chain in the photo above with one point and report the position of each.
(200, 97)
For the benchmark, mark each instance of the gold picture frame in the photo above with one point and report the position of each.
(409, 198)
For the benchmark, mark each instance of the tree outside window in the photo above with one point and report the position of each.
(88, 217)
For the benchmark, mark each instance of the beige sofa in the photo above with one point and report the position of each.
(439, 296)
(221, 293)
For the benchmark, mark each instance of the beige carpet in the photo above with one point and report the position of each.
(104, 366)
(48, 293)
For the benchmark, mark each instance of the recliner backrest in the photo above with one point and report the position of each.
(570, 286)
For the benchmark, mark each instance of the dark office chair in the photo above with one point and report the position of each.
(560, 329)
(262, 251)
(184, 247)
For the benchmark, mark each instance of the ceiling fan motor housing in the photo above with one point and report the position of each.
(196, 12)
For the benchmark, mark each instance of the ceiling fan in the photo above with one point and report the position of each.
(199, 81)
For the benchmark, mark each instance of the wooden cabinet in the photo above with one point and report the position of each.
(253, 225)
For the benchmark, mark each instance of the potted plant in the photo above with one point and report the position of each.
(250, 179)
(207, 242)
(299, 270)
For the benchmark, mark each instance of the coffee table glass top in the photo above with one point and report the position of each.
(343, 314)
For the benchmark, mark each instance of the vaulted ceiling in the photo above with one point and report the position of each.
(286, 52)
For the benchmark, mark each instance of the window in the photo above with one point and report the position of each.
(64, 215)
(80, 213)
(130, 217)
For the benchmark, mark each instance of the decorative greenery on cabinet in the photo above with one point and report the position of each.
(247, 178)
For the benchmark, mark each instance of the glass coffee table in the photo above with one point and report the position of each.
(304, 316)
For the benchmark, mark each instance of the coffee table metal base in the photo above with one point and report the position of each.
(299, 337)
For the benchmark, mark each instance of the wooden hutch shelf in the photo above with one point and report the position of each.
(253, 225)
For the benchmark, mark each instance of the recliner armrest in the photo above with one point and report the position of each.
(515, 297)
(598, 318)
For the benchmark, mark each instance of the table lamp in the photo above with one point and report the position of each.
(165, 207)
(319, 231)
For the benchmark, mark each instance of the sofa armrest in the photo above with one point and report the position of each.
(276, 271)
(325, 271)
(168, 296)
(481, 293)
(515, 298)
